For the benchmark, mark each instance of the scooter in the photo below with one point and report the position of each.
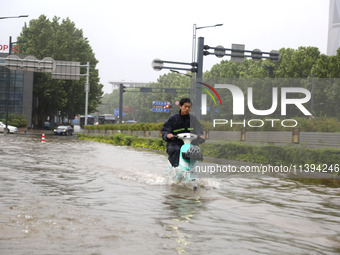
(188, 158)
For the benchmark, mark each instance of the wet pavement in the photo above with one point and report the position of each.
(68, 196)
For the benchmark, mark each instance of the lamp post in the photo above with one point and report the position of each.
(194, 91)
(87, 89)
(194, 39)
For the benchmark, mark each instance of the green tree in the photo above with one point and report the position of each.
(296, 63)
(302, 63)
(60, 40)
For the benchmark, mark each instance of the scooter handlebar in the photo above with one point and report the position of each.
(190, 136)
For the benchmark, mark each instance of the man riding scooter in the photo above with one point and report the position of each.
(182, 122)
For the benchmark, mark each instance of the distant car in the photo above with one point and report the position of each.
(63, 130)
(131, 121)
(11, 129)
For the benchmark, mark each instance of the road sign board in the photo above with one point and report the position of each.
(237, 51)
(128, 108)
(160, 103)
(158, 106)
(170, 91)
(160, 110)
(66, 70)
(116, 112)
(145, 89)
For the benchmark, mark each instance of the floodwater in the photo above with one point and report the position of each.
(67, 196)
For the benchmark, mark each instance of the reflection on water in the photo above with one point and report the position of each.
(76, 197)
(183, 205)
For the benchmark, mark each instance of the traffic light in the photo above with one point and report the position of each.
(121, 91)
(122, 88)
(167, 106)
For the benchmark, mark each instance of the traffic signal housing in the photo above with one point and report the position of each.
(121, 91)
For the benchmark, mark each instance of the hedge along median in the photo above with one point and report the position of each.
(271, 154)
(263, 154)
(320, 124)
(125, 140)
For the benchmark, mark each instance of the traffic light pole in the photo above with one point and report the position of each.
(237, 54)
(121, 91)
(198, 92)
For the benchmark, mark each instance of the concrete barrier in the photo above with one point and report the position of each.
(317, 140)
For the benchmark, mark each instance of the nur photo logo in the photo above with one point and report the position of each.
(204, 97)
(282, 100)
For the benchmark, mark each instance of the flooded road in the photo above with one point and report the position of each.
(67, 196)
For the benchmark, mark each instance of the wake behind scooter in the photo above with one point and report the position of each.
(189, 155)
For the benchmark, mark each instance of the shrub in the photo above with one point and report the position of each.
(17, 120)
(118, 138)
(127, 140)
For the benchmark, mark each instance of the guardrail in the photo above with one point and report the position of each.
(306, 139)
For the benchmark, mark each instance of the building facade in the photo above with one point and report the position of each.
(20, 92)
(333, 28)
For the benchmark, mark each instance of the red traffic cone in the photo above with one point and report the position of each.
(43, 137)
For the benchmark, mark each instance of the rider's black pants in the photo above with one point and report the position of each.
(173, 154)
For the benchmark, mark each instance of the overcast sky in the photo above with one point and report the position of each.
(127, 35)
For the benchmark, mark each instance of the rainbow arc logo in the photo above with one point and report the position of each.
(204, 97)
(209, 93)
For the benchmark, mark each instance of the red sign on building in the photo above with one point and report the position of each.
(4, 47)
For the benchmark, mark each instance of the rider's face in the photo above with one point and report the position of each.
(185, 108)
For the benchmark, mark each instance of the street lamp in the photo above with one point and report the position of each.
(194, 90)
(194, 39)
(14, 17)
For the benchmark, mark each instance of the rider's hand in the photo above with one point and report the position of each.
(201, 139)
(169, 136)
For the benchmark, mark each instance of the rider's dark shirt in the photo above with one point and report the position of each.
(177, 124)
